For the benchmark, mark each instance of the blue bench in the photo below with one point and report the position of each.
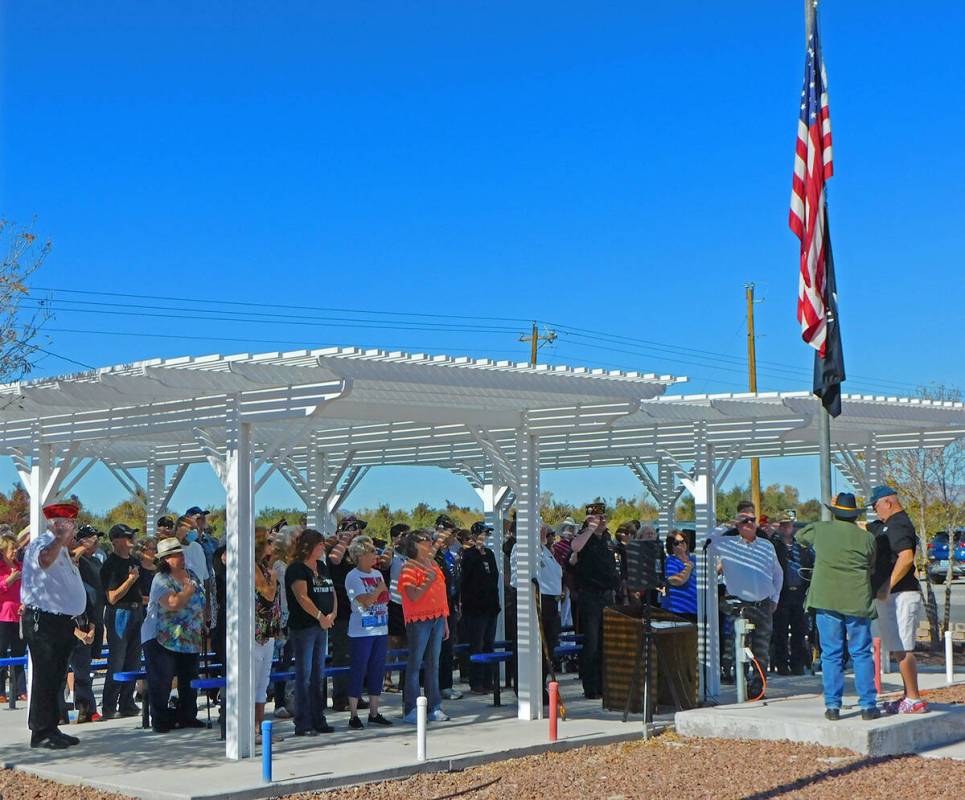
(132, 677)
(13, 661)
(567, 650)
(204, 685)
(493, 660)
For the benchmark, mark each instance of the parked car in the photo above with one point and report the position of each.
(938, 557)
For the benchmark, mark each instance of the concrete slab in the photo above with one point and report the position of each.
(117, 756)
(801, 719)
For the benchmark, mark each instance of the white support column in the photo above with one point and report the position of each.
(529, 653)
(239, 536)
(496, 500)
(154, 492)
(703, 487)
(668, 496)
(41, 464)
(315, 478)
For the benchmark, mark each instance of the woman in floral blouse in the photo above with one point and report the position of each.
(267, 622)
(171, 635)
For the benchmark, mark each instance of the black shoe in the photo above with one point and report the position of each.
(868, 714)
(161, 728)
(363, 705)
(50, 743)
(355, 724)
(132, 711)
(324, 727)
(310, 732)
(782, 670)
(113, 715)
(342, 705)
(378, 719)
(193, 723)
(832, 714)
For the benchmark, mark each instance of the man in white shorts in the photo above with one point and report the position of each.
(899, 603)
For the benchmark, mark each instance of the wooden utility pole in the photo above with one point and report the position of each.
(535, 338)
(752, 385)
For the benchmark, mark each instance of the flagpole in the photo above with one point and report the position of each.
(824, 418)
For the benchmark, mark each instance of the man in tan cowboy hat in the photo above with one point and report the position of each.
(840, 595)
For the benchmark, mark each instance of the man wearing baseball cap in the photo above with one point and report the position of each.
(52, 594)
(123, 618)
(900, 605)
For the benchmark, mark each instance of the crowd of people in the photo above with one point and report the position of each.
(351, 604)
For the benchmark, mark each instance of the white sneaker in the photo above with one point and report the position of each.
(438, 715)
(452, 694)
(282, 713)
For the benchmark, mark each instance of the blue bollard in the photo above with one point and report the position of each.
(266, 751)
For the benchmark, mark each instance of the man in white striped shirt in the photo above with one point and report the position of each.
(752, 575)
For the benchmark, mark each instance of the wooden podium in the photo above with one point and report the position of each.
(673, 659)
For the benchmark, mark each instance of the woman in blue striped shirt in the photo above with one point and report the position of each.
(681, 571)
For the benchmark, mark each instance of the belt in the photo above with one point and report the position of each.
(35, 610)
(129, 606)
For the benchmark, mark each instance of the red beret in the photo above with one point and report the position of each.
(61, 511)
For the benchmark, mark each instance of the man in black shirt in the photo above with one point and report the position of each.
(899, 602)
(597, 578)
(125, 612)
(89, 633)
(479, 592)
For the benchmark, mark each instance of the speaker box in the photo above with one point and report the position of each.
(642, 570)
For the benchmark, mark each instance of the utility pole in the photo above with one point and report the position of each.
(752, 385)
(535, 338)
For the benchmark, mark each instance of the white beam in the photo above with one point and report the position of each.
(704, 490)
(529, 653)
(239, 536)
(211, 453)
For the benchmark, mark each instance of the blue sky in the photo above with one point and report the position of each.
(621, 168)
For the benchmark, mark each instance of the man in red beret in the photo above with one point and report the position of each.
(52, 594)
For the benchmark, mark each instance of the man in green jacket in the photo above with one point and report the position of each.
(840, 595)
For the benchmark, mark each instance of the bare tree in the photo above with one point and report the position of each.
(20, 321)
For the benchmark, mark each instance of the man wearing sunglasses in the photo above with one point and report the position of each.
(753, 576)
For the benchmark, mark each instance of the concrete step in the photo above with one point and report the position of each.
(802, 720)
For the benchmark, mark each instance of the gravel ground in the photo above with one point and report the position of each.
(685, 769)
(669, 765)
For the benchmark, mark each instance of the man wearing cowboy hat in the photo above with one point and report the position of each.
(840, 595)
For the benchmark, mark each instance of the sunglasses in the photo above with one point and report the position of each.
(745, 520)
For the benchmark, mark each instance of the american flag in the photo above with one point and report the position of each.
(812, 167)
(817, 299)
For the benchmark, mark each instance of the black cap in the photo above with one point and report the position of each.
(165, 522)
(194, 510)
(480, 527)
(86, 532)
(121, 530)
(398, 529)
(445, 521)
(352, 523)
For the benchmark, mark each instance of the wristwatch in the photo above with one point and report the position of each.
(318, 616)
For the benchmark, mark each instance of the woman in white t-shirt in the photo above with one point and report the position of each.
(368, 629)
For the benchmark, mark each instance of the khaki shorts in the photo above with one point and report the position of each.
(898, 619)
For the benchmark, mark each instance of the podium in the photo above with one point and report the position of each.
(673, 659)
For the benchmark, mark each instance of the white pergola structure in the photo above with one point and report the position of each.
(322, 418)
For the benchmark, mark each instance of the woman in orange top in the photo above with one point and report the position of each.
(426, 610)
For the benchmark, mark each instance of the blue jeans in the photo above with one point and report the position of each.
(832, 628)
(425, 641)
(310, 646)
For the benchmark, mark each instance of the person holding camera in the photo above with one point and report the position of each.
(479, 591)
(597, 579)
(120, 576)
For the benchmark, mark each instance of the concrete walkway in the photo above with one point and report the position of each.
(118, 756)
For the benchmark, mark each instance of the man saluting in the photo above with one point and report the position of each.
(52, 594)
